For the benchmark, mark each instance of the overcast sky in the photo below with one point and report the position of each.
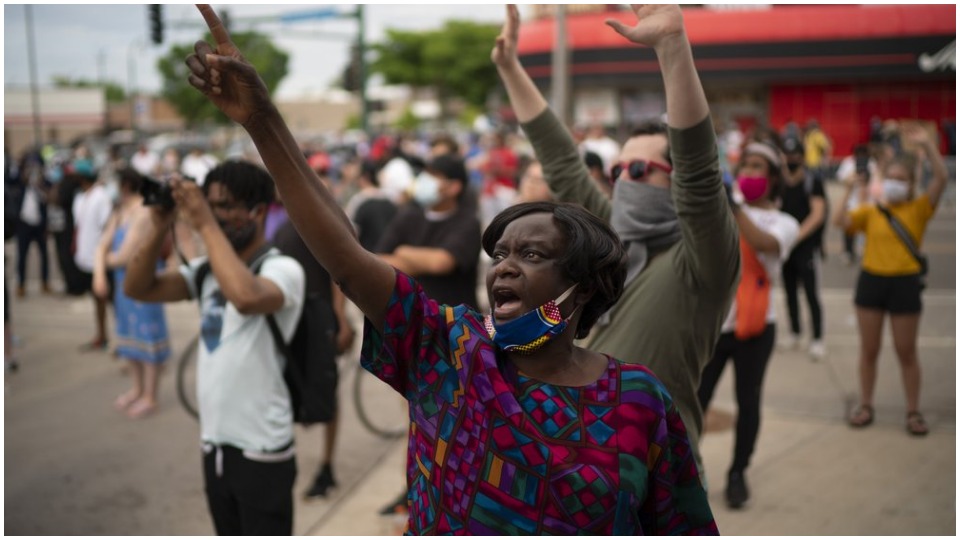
(93, 41)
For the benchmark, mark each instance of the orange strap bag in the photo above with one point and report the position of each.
(753, 295)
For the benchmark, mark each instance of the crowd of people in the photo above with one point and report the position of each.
(512, 287)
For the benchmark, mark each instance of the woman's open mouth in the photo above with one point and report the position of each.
(506, 304)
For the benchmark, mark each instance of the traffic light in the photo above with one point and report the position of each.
(156, 23)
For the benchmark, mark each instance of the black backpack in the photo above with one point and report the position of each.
(310, 372)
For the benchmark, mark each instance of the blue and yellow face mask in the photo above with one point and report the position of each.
(532, 330)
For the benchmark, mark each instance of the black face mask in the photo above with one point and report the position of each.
(239, 236)
(793, 167)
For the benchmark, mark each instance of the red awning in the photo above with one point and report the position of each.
(794, 23)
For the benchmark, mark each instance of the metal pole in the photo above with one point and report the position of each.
(560, 65)
(132, 85)
(34, 92)
(362, 68)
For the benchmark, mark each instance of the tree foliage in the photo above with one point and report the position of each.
(194, 107)
(113, 92)
(454, 60)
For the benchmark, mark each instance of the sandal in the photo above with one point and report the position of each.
(916, 425)
(861, 417)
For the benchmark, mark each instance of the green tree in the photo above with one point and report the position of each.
(113, 92)
(453, 60)
(193, 106)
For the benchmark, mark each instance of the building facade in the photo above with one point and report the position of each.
(767, 65)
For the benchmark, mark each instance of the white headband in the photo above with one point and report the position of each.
(759, 148)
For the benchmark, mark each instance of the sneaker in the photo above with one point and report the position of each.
(737, 493)
(323, 482)
(791, 343)
(817, 350)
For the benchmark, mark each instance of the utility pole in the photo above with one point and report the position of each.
(34, 91)
(362, 70)
(560, 65)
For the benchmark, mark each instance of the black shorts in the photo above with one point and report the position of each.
(893, 294)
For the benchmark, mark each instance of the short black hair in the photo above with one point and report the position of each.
(654, 127)
(130, 178)
(246, 182)
(594, 256)
(450, 167)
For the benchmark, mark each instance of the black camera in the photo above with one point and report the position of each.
(863, 165)
(157, 192)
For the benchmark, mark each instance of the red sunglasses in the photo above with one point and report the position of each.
(637, 169)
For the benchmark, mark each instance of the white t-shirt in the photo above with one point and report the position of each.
(30, 211)
(242, 398)
(145, 163)
(197, 167)
(785, 228)
(91, 210)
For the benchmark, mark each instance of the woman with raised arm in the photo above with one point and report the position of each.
(891, 275)
(668, 206)
(514, 430)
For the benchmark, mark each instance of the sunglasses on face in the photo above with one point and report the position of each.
(637, 169)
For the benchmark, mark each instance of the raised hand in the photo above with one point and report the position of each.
(505, 49)
(224, 75)
(655, 22)
(192, 204)
(916, 134)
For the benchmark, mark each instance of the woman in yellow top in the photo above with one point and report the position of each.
(889, 280)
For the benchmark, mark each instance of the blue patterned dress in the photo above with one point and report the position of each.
(141, 327)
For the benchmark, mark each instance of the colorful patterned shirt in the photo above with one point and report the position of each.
(492, 451)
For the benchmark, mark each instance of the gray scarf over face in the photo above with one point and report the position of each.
(646, 220)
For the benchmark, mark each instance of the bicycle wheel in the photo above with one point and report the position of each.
(380, 409)
(187, 378)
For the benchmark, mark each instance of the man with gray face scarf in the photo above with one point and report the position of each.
(668, 206)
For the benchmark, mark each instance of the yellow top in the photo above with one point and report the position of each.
(885, 253)
(815, 145)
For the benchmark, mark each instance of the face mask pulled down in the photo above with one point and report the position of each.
(532, 330)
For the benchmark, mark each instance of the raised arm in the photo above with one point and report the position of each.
(710, 237)
(920, 137)
(661, 27)
(563, 168)
(525, 97)
(234, 86)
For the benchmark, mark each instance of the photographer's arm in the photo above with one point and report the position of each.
(142, 281)
(234, 86)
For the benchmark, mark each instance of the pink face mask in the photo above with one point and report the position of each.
(753, 187)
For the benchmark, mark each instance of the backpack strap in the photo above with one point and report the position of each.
(905, 238)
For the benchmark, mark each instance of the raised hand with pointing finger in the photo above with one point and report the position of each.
(224, 75)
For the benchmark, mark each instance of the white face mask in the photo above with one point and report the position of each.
(895, 191)
(426, 190)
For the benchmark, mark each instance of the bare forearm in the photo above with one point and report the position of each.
(813, 220)
(237, 283)
(525, 97)
(318, 218)
(759, 240)
(686, 101)
(841, 219)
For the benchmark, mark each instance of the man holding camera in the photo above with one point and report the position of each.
(246, 421)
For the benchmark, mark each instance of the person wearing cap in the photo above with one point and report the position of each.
(436, 238)
(804, 198)
(748, 333)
